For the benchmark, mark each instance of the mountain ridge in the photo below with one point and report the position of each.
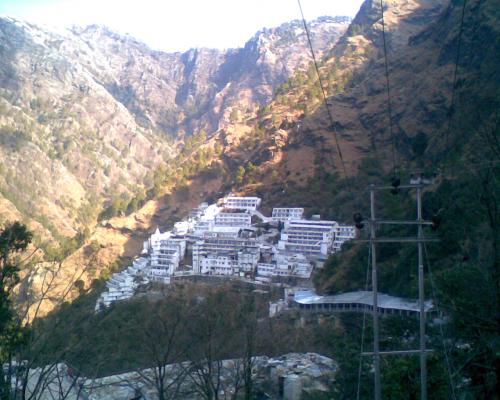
(109, 111)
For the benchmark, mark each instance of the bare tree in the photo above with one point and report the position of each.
(162, 340)
(25, 372)
(222, 331)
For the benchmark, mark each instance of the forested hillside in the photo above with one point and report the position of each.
(439, 116)
(87, 115)
(95, 125)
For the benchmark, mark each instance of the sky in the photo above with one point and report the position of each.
(177, 25)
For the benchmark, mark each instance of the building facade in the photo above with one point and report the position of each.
(343, 233)
(234, 248)
(283, 214)
(233, 219)
(313, 238)
(241, 203)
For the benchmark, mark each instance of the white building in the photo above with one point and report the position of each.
(219, 265)
(297, 263)
(139, 267)
(225, 244)
(223, 232)
(235, 248)
(165, 254)
(313, 238)
(234, 219)
(248, 257)
(343, 233)
(164, 262)
(210, 212)
(283, 214)
(165, 257)
(205, 219)
(241, 203)
(154, 239)
(182, 228)
(120, 286)
(201, 227)
(267, 269)
(286, 265)
(197, 212)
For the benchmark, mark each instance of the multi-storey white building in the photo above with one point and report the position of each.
(164, 262)
(241, 203)
(248, 257)
(155, 239)
(139, 268)
(120, 286)
(283, 214)
(313, 238)
(223, 232)
(219, 265)
(224, 246)
(343, 233)
(203, 218)
(297, 263)
(268, 269)
(201, 227)
(236, 219)
(286, 265)
(165, 253)
(210, 212)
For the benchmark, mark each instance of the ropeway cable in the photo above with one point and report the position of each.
(323, 92)
(388, 87)
(451, 111)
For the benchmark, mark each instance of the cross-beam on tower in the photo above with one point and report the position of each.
(417, 184)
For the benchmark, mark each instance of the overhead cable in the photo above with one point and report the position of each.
(323, 92)
(388, 87)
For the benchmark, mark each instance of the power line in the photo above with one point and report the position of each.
(455, 74)
(388, 86)
(323, 92)
(446, 355)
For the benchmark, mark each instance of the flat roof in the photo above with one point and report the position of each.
(313, 222)
(243, 197)
(361, 297)
(226, 229)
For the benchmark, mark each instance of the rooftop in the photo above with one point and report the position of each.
(361, 297)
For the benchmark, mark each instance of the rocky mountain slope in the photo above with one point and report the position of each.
(87, 115)
(182, 93)
(286, 152)
(296, 152)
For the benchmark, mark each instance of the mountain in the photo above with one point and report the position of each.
(181, 93)
(424, 99)
(439, 117)
(297, 151)
(87, 116)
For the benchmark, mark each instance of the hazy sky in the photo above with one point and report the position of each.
(176, 25)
